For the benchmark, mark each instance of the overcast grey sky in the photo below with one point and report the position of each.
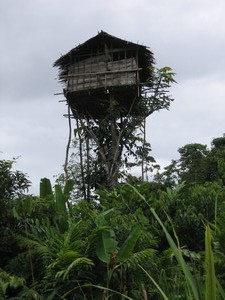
(187, 35)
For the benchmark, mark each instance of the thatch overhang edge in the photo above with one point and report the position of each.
(63, 62)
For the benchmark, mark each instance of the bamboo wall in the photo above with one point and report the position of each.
(102, 72)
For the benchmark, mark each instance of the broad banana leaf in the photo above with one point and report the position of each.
(45, 188)
(128, 246)
(106, 245)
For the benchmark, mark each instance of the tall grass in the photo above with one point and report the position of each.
(210, 288)
(210, 280)
(179, 257)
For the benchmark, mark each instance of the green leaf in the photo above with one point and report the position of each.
(220, 290)
(155, 283)
(100, 217)
(79, 261)
(45, 188)
(71, 259)
(128, 246)
(210, 281)
(15, 213)
(122, 296)
(106, 245)
(166, 69)
(68, 188)
(60, 199)
(179, 257)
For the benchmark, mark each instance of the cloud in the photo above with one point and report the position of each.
(37, 133)
(186, 35)
(196, 115)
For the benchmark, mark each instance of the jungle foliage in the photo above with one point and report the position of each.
(163, 239)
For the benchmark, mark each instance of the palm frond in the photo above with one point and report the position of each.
(81, 261)
(73, 234)
(142, 256)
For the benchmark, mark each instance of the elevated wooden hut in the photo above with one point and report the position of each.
(103, 68)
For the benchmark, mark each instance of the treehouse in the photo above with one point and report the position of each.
(104, 69)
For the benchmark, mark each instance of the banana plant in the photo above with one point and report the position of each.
(61, 200)
(117, 259)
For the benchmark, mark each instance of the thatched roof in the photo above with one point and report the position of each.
(145, 56)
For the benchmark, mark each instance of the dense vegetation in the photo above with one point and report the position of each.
(140, 240)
